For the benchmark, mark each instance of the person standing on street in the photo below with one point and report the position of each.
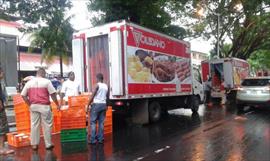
(223, 92)
(98, 110)
(69, 88)
(207, 90)
(3, 119)
(36, 93)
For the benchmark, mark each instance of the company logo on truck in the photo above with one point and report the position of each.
(147, 40)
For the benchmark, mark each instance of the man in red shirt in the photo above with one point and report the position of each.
(36, 93)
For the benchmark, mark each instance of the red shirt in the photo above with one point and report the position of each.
(38, 91)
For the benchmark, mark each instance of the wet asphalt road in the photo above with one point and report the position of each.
(216, 133)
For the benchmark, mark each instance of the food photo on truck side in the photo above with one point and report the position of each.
(147, 72)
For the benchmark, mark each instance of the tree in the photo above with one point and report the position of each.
(148, 13)
(31, 11)
(52, 32)
(244, 22)
(260, 60)
(54, 39)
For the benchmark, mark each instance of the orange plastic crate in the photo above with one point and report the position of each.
(73, 112)
(56, 120)
(72, 126)
(109, 111)
(21, 108)
(17, 99)
(23, 129)
(18, 139)
(81, 100)
(73, 123)
(108, 119)
(23, 116)
(108, 130)
(23, 123)
(73, 120)
(56, 128)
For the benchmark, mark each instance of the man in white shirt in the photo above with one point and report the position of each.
(69, 88)
(97, 112)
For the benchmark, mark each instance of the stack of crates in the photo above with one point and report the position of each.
(22, 114)
(73, 120)
(56, 119)
(73, 147)
(18, 139)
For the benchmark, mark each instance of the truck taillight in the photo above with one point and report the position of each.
(119, 103)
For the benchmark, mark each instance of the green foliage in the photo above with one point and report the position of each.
(225, 50)
(260, 60)
(54, 39)
(32, 11)
(244, 22)
(52, 32)
(148, 13)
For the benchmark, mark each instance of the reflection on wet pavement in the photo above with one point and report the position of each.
(215, 133)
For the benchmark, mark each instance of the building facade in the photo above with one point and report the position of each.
(27, 63)
(198, 57)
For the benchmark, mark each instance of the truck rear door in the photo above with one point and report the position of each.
(228, 74)
(98, 54)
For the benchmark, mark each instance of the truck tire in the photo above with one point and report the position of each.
(240, 108)
(154, 111)
(195, 103)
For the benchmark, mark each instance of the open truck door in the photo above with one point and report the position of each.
(79, 65)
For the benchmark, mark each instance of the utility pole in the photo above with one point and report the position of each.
(218, 26)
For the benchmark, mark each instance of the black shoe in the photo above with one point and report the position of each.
(50, 147)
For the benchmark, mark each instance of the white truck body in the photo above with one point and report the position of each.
(231, 70)
(137, 63)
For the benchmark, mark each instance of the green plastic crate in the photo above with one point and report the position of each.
(73, 135)
(74, 147)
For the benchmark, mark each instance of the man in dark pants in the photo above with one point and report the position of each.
(36, 93)
(98, 110)
(207, 90)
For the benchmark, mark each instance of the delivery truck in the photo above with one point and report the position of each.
(225, 74)
(147, 72)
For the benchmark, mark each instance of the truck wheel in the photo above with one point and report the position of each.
(154, 111)
(240, 108)
(195, 103)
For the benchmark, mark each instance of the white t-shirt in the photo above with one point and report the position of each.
(101, 94)
(70, 88)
